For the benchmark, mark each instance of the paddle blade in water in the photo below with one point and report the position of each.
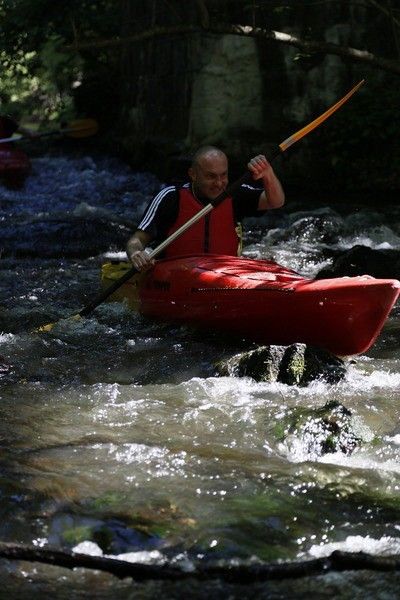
(49, 326)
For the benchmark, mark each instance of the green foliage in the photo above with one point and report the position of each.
(38, 76)
(59, 72)
(37, 85)
(18, 83)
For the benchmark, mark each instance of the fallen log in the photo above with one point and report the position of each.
(239, 573)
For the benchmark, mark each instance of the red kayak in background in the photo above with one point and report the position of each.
(261, 301)
(15, 165)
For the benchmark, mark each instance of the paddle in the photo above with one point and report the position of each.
(231, 190)
(76, 129)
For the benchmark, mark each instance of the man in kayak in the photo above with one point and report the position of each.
(219, 232)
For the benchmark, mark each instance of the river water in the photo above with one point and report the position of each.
(116, 436)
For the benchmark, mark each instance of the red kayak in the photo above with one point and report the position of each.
(261, 301)
(14, 164)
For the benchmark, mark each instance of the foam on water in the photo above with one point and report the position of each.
(301, 241)
(384, 546)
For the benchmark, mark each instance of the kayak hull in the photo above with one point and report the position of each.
(263, 301)
(15, 165)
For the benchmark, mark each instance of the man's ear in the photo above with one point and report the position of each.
(191, 174)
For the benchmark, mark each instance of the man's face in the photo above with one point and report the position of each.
(210, 175)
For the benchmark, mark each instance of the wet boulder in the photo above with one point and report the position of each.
(362, 260)
(111, 535)
(314, 432)
(324, 228)
(119, 528)
(297, 364)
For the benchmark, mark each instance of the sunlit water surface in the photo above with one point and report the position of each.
(115, 430)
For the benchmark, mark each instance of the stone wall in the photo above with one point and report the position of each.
(226, 96)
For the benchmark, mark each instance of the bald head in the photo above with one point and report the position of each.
(207, 152)
(209, 172)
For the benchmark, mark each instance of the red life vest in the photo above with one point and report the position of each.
(215, 233)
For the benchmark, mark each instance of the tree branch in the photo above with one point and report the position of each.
(310, 46)
(316, 47)
(242, 573)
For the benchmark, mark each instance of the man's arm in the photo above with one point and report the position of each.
(273, 195)
(135, 249)
(154, 224)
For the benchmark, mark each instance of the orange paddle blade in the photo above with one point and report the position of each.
(305, 130)
(81, 128)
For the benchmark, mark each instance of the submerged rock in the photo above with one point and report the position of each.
(325, 229)
(297, 364)
(327, 429)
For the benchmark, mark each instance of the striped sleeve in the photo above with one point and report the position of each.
(160, 213)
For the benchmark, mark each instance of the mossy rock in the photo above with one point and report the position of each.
(297, 364)
(323, 430)
(121, 523)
